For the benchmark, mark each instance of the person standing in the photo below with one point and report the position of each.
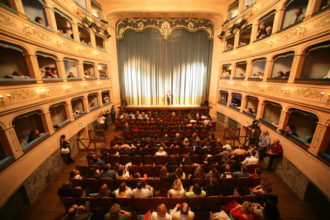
(65, 150)
(263, 144)
(168, 97)
(113, 114)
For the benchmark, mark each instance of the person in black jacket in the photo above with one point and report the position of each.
(66, 190)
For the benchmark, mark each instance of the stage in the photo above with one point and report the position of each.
(167, 109)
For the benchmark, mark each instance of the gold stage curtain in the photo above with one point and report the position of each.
(149, 66)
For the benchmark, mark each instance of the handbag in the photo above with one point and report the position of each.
(65, 150)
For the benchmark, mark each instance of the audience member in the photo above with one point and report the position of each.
(123, 191)
(39, 20)
(104, 191)
(177, 191)
(142, 190)
(182, 212)
(195, 191)
(65, 150)
(213, 187)
(161, 213)
(108, 172)
(161, 152)
(263, 144)
(70, 75)
(116, 213)
(81, 212)
(66, 190)
(299, 16)
(273, 152)
(251, 159)
(261, 31)
(243, 212)
(179, 173)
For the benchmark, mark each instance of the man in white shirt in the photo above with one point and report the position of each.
(250, 160)
(161, 152)
(142, 190)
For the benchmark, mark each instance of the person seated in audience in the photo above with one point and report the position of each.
(212, 188)
(116, 213)
(195, 191)
(263, 144)
(240, 151)
(243, 212)
(104, 191)
(251, 159)
(198, 173)
(260, 75)
(164, 174)
(229, 46)
(22, 142)
(161, 213)
(81, 212)
(280, 74)
(54, 72)
(70, 75)
(161, 152)
(16, 74)
(34, 134)
(96, 161)
(299, 16)
(123, 191)
(108, 172)
(77, 111)
(177, 191)
(186, 142)
(227, 173)
(268, 31)
(142, 190)
(326, 5)
(275, 151)
(265, 187)
(182, 211)
(214, 172)
(289, 130)
(122, 173)
(261, 31)
(39, 20)
(76, 174)
(179, 173)
(67, 190)
(242, 43)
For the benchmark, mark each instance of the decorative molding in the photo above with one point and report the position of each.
(165, 26)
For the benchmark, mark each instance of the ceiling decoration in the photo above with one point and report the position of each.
(165, 26)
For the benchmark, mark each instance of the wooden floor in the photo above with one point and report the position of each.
(48, 206)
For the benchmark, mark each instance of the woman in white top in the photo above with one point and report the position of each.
(177, 191)
(123, 191)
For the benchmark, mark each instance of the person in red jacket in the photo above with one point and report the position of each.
(275, 150)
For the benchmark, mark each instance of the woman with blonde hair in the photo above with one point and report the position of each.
(177, 191)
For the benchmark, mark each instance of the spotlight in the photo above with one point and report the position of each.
(97, 29)
(240, 25)
(221, 35)
(106, 33)
(86, 21)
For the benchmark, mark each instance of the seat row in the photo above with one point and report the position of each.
(171, 159)
(142, 205)
(93, 185)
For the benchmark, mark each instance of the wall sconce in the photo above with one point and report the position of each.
(99, 83)
(1, 99)
(60, 43)
(43, 92)
(322, 93)
(230, 82)
(96, 52)
(300, 30)
(84, 84)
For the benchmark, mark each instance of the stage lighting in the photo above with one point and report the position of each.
(221, 35)
(106, 33)
(240, 25)
(97, 29)
(86, 21)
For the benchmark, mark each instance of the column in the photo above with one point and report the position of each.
(230, 96)
(96, 71)
(51, 21)
(284, 118)
(261, 108)
(240, 7)
(60, 69)
(320, 139)
(99, 99)
(268, 69)
(221, 71)
(47, 122)
(81, 69)
(10, 142)
(236, 40)
(278, 20)
(313, 6)
(243, 102)
(254, 31)
(75, 31)
(233, 71)
(92, 36)
(33, 67)
(217, 96)
(248, 69)
(86, 104)
(89, 6)
(68, 109)
(296, 68)
(17, 5)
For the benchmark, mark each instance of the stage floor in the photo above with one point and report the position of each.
(167, 107)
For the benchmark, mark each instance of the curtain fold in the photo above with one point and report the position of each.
(150, 66)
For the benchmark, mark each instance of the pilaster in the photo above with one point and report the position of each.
(47, 122)
(296, 68)
(33, 67)
(261, 108)
(278, 20)
(11, 143)
(320, 139)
